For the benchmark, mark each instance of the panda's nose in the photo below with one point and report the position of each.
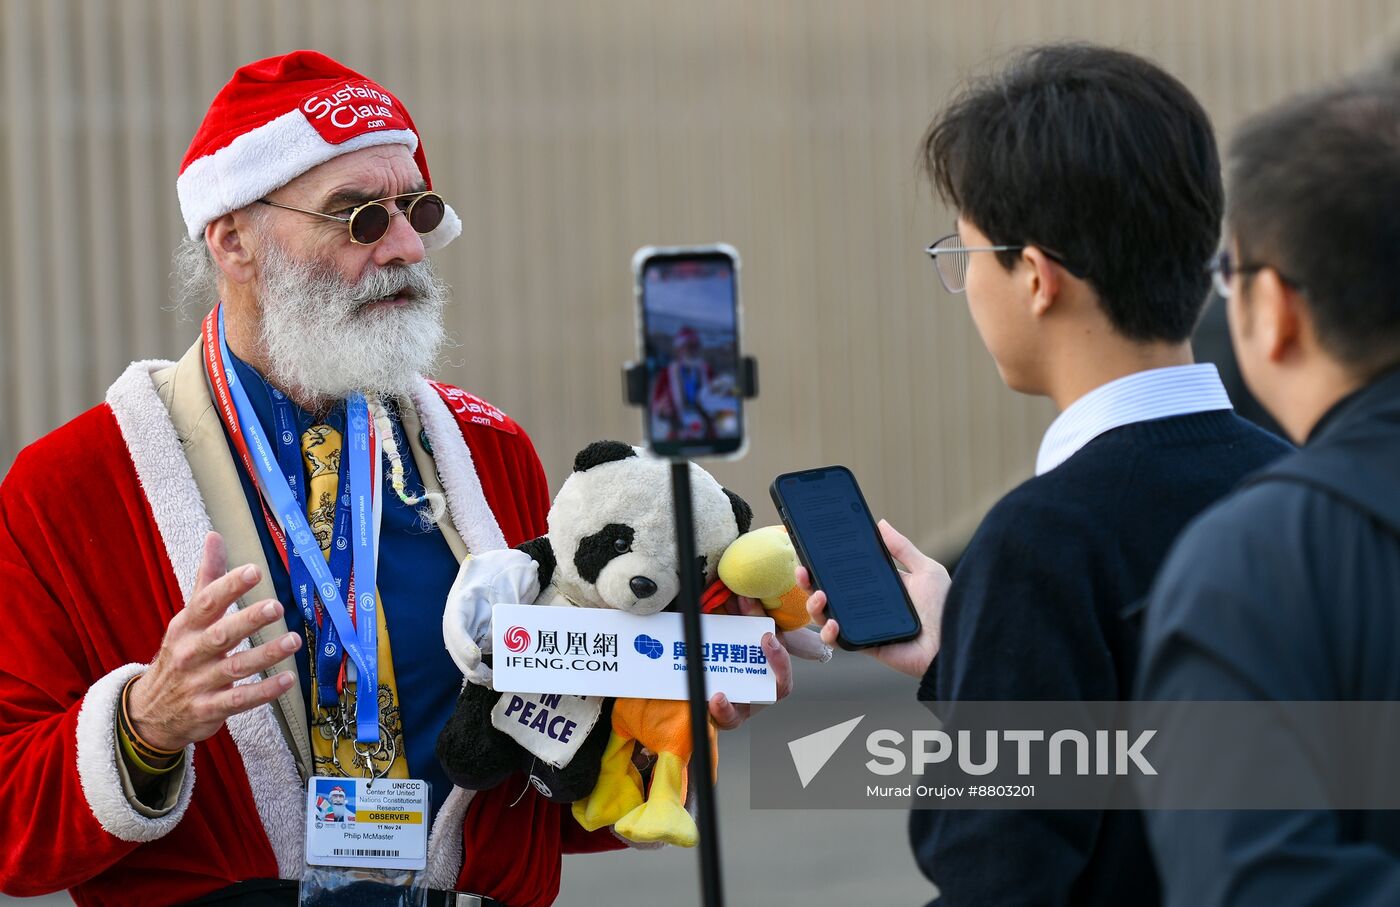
(642, 587)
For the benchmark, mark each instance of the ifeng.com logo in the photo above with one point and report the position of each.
(517, 639)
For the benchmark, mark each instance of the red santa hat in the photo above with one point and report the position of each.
(275, 120)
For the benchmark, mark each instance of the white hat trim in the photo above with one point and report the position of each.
(264, 159)
(444, 232)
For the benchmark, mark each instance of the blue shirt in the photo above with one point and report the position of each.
(416, 570)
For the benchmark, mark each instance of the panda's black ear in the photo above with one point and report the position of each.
(543, 552)
(600, 452)
(743, 513)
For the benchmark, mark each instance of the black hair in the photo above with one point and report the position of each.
(1315, 195)
(1102, 159)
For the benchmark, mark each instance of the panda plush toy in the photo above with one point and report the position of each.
(610, 544)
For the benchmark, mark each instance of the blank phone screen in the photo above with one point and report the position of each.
(826, 512)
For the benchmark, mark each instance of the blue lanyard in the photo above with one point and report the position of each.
(322, 638)
(364, 535)
(359, 640)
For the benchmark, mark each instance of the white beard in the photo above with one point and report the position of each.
(323, 343)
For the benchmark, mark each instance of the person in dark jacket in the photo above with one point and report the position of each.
(1089, 199)
(1288, 589)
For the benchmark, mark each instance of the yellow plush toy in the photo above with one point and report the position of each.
(760, 564)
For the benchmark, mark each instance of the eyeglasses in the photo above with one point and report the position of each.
(951, 259)
(1223, 269)
(368, 223)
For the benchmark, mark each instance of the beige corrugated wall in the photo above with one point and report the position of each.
(569, 134)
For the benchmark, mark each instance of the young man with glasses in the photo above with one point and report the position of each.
(1088, 195)
(1287, 590)
(261, 447)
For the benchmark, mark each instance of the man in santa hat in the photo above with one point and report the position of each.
(334, 808)
(295, 426)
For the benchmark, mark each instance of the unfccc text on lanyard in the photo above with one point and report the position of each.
(358, 634)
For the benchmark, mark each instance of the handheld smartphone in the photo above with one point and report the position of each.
(688, 313)
(837, 541)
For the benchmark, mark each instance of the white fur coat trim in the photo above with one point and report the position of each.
(183, 521)
(161, 468)
(466, 501)
(445, 840)
(278, 793)
(97, 765)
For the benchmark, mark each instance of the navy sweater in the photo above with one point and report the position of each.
(1043, 606)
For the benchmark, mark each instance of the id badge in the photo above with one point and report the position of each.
(353, 823)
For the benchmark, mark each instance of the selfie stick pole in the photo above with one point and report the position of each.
(701, 765)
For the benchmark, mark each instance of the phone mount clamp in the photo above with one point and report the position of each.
(634, 383)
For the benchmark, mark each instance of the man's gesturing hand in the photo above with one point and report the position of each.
(927, 582)
(189, 689)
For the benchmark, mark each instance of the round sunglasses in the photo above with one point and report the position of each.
(369, 222)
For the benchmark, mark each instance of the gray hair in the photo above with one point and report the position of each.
(194, 279)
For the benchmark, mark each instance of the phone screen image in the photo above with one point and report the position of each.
(837, 537)
(690, 327)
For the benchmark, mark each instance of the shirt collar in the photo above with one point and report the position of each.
(1157, 393)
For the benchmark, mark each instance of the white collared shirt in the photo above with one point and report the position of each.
(1157, 393)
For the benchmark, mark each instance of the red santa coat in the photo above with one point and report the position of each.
(101, 528)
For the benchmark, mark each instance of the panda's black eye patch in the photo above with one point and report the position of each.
(596, 550)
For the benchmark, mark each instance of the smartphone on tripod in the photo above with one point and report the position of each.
(688, 316)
